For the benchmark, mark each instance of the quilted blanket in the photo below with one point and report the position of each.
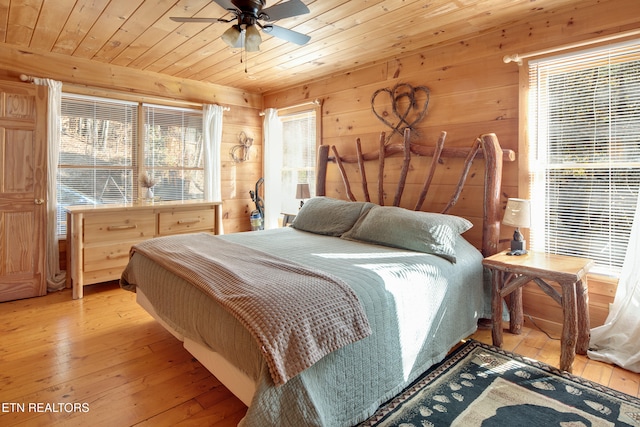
(296, 314)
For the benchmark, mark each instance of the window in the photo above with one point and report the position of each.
(584, 156)
(102, 154)
(173, 152)
(97, 153)
(299, 135)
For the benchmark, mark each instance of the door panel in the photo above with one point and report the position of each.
(22, 190)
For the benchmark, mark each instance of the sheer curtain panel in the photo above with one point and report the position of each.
(618, 340)
(272, 160)
(55, 277)
(212, 116)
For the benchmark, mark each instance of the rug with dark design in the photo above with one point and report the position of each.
(482, 385)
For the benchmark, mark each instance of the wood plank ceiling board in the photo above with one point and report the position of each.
(171, 36)
(148, 13)
(116, 12)
(345, 35)
(157, 31)
(21, 21)
(83, 16)
(52, 18)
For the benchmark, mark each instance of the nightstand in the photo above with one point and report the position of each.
(510, 273)
(287, 219)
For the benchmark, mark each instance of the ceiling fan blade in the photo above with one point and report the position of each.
(181, 19)
(284, 10)
(286, 34)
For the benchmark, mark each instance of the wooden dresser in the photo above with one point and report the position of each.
(99, 237)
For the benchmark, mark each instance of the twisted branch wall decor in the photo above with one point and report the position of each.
(408, 104)
(240, 153)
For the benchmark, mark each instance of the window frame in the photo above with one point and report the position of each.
(314, 107)
(527, 172)
(137, 157)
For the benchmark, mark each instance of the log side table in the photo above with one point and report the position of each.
(510, 273)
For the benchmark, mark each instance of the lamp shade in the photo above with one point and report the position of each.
(252, 39)
(232, 36)
(517, 213)
(302, 191)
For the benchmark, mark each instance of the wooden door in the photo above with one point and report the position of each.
(23, 132)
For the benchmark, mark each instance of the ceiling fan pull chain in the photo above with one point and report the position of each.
(244, 51)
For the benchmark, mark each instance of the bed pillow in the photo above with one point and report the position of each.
(426, 232)
(331, 217)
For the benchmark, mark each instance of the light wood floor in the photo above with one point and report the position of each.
(107, 353)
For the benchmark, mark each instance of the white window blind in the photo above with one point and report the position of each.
(97, 161)
(299, 132)
(173, 151)
(584, 135)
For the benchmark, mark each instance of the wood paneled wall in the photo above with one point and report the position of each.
(98, 79)
(472, 92)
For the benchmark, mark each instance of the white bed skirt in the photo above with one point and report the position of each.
(231, 377)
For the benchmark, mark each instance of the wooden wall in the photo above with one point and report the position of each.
(88, 77)
(472, 92)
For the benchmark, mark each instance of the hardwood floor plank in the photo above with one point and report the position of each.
(598, 372)
(106, 352)
(625, 381)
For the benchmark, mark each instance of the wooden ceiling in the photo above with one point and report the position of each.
(344, 35)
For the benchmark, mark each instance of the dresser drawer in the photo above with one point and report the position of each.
(118, 226)
(109, 256)
(186, 221)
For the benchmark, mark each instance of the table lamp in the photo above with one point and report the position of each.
(302, 192)
(518, 214)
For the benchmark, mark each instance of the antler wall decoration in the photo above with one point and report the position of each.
(408, 105)
(240, 153)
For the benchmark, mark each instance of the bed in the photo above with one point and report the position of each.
(377, 296)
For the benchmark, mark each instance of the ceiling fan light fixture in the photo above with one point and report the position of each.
(233, 36)
(252, 39)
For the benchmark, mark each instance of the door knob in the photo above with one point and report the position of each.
(38, 201)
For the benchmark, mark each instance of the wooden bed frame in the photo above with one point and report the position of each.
(486, 146)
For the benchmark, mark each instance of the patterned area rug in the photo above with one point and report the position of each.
(481, 385)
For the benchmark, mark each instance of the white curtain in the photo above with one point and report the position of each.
(272, 161)
(618, 340)
(55, 276)
(212, 135)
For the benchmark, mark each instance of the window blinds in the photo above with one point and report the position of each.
(173, 151)
(299, 156)
(102, 153)
(96, 160)
(584, 127)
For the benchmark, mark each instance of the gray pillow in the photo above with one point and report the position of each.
(331, 217)
(426, 232)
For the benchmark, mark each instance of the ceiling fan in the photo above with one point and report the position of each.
(248, 14)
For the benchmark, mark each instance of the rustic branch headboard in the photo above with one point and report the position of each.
(485, 146)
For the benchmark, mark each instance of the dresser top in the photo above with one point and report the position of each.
(141, 205)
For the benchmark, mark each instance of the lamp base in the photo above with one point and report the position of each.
(518, 247)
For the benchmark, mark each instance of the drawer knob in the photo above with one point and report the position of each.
(118, 256)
